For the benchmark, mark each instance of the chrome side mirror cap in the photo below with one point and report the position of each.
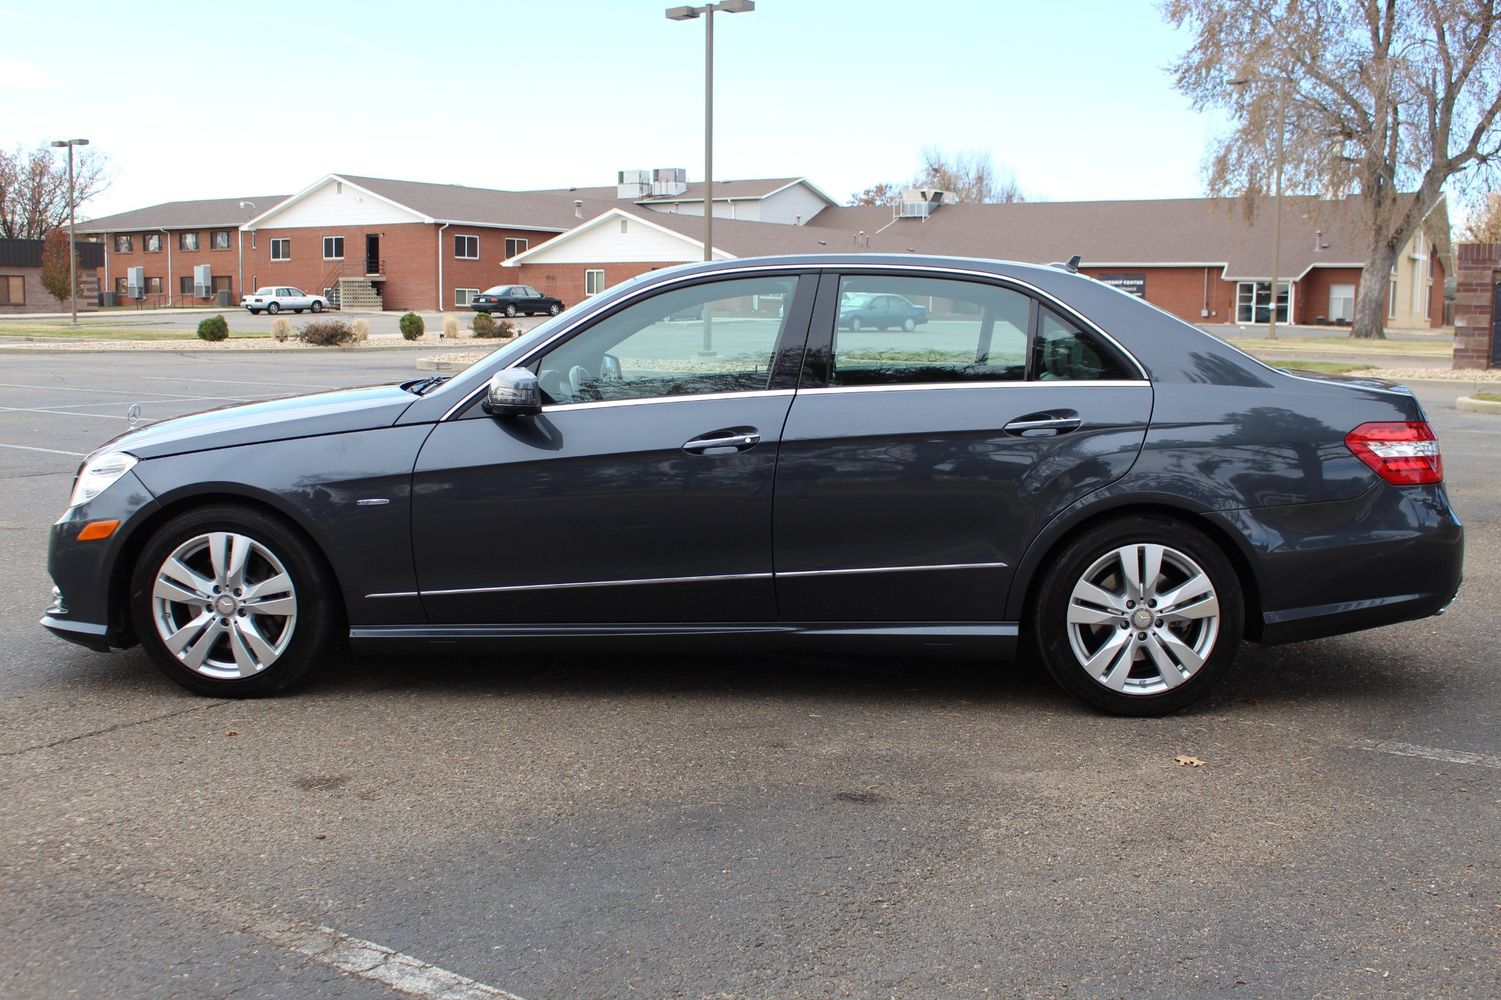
(513, 392)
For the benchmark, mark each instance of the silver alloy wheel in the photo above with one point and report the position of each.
(224, 605)
(1142, 619)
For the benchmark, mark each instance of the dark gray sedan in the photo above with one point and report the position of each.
(1060, 468)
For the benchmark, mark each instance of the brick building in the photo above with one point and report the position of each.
(21, 289)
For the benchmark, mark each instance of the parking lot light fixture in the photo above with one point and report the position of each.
(690, 14)
(72, 234)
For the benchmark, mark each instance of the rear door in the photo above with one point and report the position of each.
(916, 467)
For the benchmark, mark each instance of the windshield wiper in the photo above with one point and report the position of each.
(422, 386)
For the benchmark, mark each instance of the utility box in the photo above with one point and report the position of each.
(203, 281)
(135, 282)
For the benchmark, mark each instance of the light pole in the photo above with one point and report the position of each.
(1281, 82)
(240, 247)
(72, 237)
(689, 14)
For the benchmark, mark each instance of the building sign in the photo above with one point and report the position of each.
(1136, 284)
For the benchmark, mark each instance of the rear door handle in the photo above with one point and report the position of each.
(1040, 424)
(723, 442)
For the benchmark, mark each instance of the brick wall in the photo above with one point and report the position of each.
(223, 263)
(39, 300)
(1312, 293)
(566, 281)
(1476, 273)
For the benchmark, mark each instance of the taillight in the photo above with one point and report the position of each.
(1404, 454)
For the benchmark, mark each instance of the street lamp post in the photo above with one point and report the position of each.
(240, 246)
(1281, 82)
(72, 235)
(689, 14)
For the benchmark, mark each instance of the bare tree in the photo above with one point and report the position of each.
(971, 174)
(883, 193)
(1484, 223)
(34, 190)
(1386, 99)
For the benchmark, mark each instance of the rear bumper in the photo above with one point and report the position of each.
(1393, 554)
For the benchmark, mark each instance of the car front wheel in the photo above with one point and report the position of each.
(554, 309)
(856, 324)
(231, 603)
(909, 324)
(1139, 616)
(316, 307)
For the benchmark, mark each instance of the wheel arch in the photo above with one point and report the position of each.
(1069, 525)
(171, 505)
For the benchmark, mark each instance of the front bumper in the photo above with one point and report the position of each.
(89, 608)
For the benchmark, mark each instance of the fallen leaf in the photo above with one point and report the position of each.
(231, 733)
(1185, 761)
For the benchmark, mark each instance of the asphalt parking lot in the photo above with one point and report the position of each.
(732, 826)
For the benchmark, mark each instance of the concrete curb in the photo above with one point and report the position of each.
(438, 365)
(1477, 405)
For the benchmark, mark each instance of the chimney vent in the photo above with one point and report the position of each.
(578, 209)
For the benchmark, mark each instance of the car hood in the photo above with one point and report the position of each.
(337, 412)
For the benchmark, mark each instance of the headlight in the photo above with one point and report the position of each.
(98, 474)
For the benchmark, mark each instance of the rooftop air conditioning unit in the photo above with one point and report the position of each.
(633, 184)
(669, 181)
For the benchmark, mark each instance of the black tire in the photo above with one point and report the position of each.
(1053, 636)
(255, 312)
(316, 307)
(909, 324)
(510, 310)
(274, 308)
(554, 309)
(297, 311)
(312, 630)
(856, 323)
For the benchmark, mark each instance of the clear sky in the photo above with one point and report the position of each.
(209, 99)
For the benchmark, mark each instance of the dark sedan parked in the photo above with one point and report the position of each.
(1063, 464)
(513, 299)
(879, 312)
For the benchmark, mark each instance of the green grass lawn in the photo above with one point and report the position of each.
(61, 330)
(1328, 367)
(1489, 397)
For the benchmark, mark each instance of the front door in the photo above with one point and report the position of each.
(916, 467)
(643, 491)
(372, 253)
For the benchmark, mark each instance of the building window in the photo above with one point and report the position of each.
(464, 296)
(222, 283)
(1391, 299)
(152, 243)
(220, 239)
(515, 246)
(333, 248)
(466, 247)
(281, 249)
(594, 282)
(12, 290)
(187, 241)
(122, 287)
(622, 225)
(124, 244)
(185, 286)
(153, 286)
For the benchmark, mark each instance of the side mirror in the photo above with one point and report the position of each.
(513, 392)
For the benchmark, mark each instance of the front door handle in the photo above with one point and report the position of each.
(722, 442)
(1040, 424)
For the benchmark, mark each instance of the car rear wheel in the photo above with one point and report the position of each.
(229, 602)
(554, 309)
(1139, 616)
(316, 307)
(273, 308)
(510, 310)
(909, 324)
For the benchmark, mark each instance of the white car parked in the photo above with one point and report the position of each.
(274, 298)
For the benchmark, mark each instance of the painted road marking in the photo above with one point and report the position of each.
(50, 451)
(1428, 753)
(60, 413)
(377, 963)
(111, 392)
(240, 381)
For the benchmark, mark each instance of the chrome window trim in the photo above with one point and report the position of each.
(882, 265)
(1009, 384)
(890, 569)
(608, 403)
(646, 581)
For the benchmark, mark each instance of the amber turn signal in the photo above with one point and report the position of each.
(96, 530)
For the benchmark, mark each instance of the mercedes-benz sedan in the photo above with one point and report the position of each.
(1060, 469)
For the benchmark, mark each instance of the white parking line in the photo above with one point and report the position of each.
(240, 381)
(61, 413)
(50, 451)
(378, 963)
(112, 392)
(1428, 753)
